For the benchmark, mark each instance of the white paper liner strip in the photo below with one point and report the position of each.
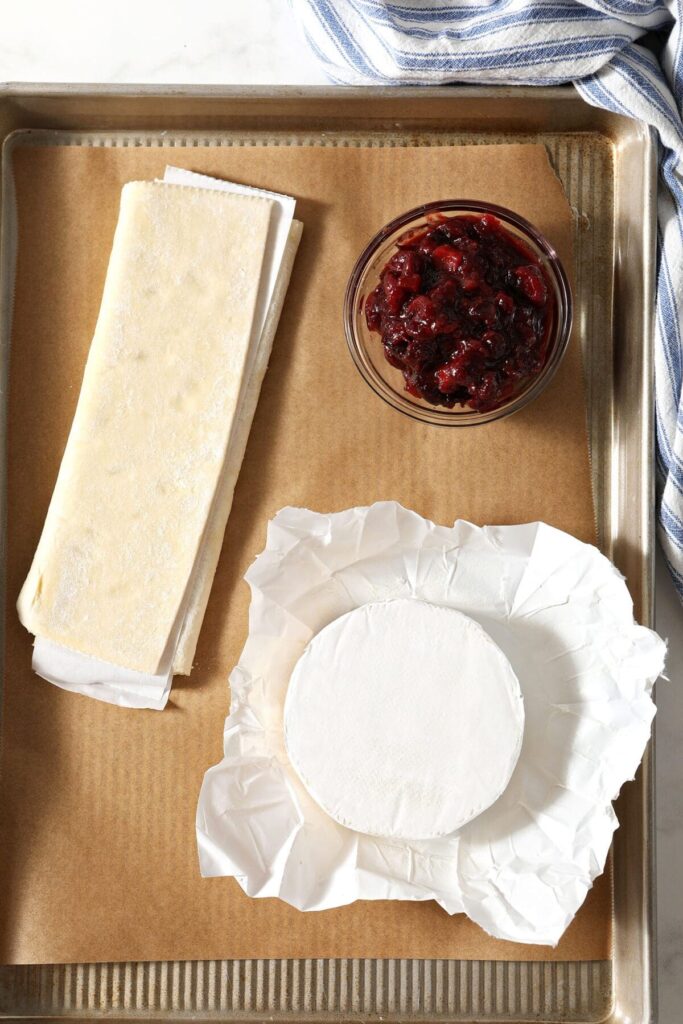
(99, 679)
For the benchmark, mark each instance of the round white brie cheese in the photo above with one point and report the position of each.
(404, 719)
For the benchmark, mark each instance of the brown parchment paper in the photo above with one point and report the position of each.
(97, 803)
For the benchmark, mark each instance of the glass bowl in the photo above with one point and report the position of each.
(366, 346)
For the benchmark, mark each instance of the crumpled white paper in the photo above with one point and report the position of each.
(562, 614)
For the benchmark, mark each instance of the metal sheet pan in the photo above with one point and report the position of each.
(607, 165)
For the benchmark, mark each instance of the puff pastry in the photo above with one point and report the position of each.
(160, 397)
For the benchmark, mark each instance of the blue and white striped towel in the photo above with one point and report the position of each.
(547, 42)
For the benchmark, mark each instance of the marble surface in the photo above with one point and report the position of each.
(254, 42)
(205, 42)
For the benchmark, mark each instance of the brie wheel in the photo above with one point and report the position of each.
(403, 719)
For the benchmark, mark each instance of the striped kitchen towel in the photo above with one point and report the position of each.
(547, 42)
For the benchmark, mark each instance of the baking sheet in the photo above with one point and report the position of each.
(607, 165)
(85, 846)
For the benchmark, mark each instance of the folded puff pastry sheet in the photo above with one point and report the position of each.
(207, 562)
(157, 407)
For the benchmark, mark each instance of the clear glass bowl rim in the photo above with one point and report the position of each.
(435, 414)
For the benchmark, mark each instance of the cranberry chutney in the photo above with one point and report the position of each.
(465, 310)
(439, 310)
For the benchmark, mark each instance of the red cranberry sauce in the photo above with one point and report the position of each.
(465, 311)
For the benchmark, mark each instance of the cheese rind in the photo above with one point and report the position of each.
(403, 719)
(148, 442)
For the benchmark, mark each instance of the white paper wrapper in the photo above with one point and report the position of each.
(563, 616)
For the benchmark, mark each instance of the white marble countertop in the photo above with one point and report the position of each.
(255, 42)
(245, 42)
